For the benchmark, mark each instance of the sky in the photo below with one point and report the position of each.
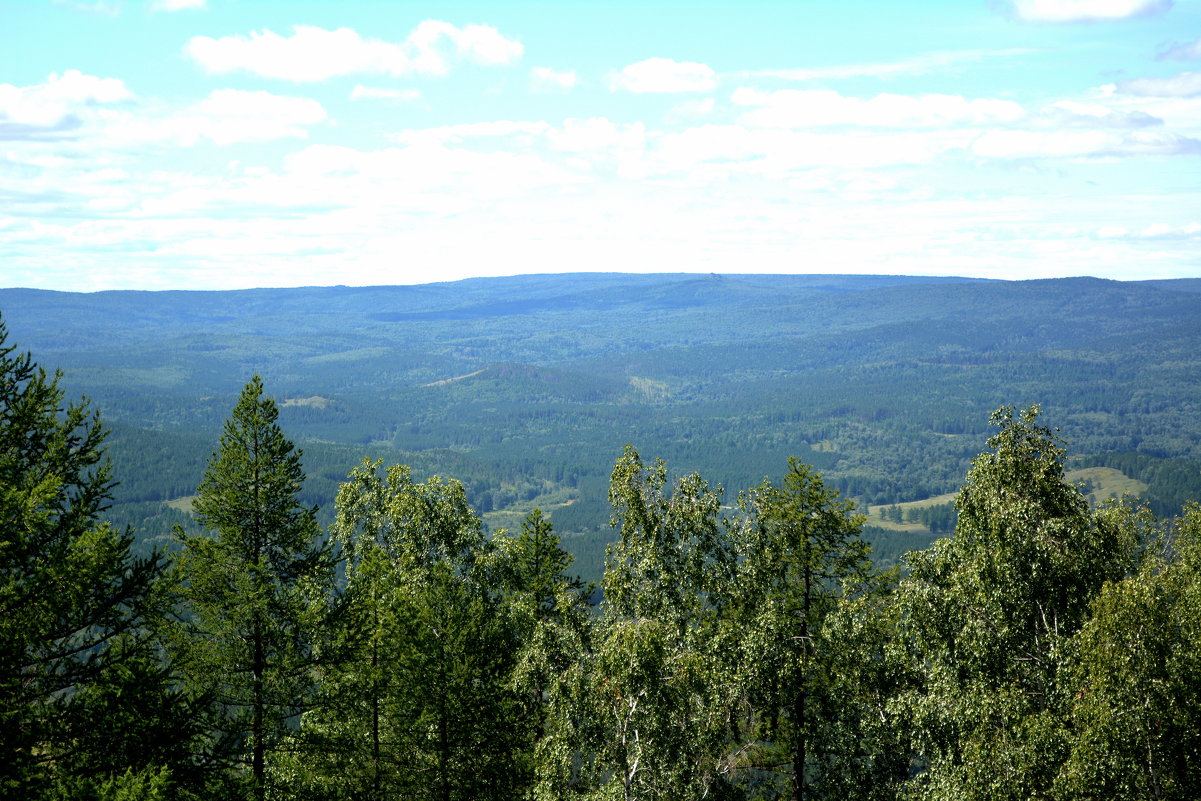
(223, 144)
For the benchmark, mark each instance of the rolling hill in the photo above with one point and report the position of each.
(526, 388)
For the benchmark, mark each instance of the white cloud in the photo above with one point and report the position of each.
(481, 44)
(453, 213)
(232, 115)
(1180, 115)
(718, 152)
(1087, 10)
(1082, 144)
(692, 109)
(706, 143)
(52, 105)
(361, 92)
(1093, 115)
(801, 108)
(774, 181)
(918, 65)
(1188, 51)
(76, 87)
(1186, 84)
(1153, 231)
(663, 75)
(470, 130)
(545, 78)
(597, 135)
(178, 5)
(1190, 230)
(225, 117)
(314, 54)
(419, 166)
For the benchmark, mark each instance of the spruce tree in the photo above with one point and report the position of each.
(548, 611)
(253, 586)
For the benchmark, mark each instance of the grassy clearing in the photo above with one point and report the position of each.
(874, 519)
(357, 355)
(512, 516)
(444, 381)
(316, 401)
(183, 504)
(1100, 484)
(1106, 483)
(650, 389)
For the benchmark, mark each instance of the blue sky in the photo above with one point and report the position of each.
(193, 144)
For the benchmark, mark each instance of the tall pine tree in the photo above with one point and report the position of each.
(548, 611)
(253, 586)
(801, 566)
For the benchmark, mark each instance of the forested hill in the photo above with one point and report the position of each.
(526, 388)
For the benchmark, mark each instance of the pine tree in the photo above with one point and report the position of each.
(254, 585)
(548, 612)
(70, 591)
(801, 563)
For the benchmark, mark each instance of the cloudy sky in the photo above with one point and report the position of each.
(235, 143)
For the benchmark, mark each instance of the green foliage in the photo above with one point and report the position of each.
(548, 611)
(416, 524)
(1049, 650)
(672, 560)
(72, 598)
(134, 724)
(801, 564)
(1136, 707)
(515, 385)
(416, 697)
(150, 784)
(658, 694)
(990, 616)
(254, 587)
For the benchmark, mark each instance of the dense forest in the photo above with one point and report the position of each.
(526, 388)
(737, 647)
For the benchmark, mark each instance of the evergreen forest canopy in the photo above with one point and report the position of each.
(526, 388)
(750, 650)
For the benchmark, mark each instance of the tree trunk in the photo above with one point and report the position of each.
(377, 794)
(256, 727)
(798, 705)
(798, 754)
(443, 734)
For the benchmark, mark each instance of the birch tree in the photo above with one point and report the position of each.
(990, 615)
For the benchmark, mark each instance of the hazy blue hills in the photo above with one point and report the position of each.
(526, 388)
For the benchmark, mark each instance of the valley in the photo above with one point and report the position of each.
(527, 388)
